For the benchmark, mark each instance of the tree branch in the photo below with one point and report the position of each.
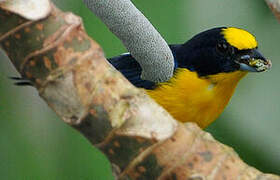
(140, 138)
(138, 35)
(275, 7)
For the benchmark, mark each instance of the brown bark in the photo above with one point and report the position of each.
(140, 138)
(274, 5)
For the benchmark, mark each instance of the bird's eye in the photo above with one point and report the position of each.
(223, 47)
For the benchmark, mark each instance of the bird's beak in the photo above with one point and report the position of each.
(254, 61)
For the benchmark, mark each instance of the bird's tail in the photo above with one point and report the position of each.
(19, 81)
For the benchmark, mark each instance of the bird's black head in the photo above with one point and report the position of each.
(221, 50)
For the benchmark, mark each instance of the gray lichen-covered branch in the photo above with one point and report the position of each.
(141, 140)
(138, 35)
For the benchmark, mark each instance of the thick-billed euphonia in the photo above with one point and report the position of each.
(207, 70)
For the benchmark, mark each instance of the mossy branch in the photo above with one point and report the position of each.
(140, 138)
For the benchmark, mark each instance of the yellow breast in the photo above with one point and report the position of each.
(190, 98)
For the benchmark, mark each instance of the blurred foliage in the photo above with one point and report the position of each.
(35, 144)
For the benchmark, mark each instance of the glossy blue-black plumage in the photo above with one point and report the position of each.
(200, 54)
(131, 69)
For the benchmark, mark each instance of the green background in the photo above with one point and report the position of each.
(36, 144)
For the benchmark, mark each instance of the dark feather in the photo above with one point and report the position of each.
(23, 83)
(19, 81)
(131, 69)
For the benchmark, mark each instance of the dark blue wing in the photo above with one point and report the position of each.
(131, 69)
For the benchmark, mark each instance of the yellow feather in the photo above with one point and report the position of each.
(239, 38)
(188, 97)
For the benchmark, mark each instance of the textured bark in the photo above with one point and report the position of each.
(141, 140)
(275, 7)
(30, 9)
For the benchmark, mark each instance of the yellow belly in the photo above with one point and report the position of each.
(190, 98)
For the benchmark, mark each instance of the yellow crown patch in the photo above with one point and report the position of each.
(239, 38)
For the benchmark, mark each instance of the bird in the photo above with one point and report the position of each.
(207, 70)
